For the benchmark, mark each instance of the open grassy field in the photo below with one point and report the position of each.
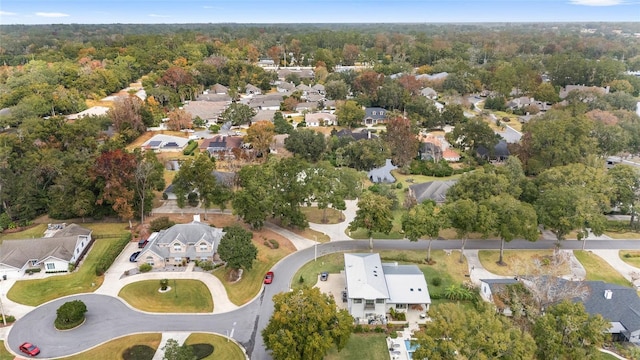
(631, 257)
(362, 346)
(184, 296)
(222, 349)
(518, 262)
(113, 349)
(84, 279)
(598, 269)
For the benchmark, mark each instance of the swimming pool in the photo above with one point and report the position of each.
(411, 348)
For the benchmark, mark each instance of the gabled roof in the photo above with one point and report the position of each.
(187, 234)
(623, 307)
(377, 113)
(434, 190)
(406, 284)
(365, 277)
(206, 109)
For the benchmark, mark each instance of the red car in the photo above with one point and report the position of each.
(268, 278)
(29, 349)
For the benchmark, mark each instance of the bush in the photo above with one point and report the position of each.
(145, 268)
(205, 265)
(32, 270)
(274, 243)
(201, 351)
(139, 352)
(111, 254)
(436, 281)
(70, 315)
(191, 146)
(399, 185)
(161, 223)
(163, 284)
(301, 280)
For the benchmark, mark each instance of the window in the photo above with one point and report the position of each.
(357, 301)
(150, 260)
(51, 266)
(379, 301)
(373, 113)
(381, 113)
(177, 247)
(178, 259)
(204, 247)
(401, 306)
(369, 304)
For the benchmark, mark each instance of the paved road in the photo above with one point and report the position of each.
(109, 317)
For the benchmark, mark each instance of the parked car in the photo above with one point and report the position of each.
(29, 349)
(268, 279)
(142, 243)
(134, 256)
(324, 276)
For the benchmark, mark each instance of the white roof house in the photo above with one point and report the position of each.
(92, 111)
(374, 288)
(165, 143)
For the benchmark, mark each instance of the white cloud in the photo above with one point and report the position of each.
(7, 13)
(597, 2)
(51, 14)
(159, 16)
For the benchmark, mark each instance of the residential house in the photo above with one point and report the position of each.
(62, 246)
(303, 73)
(361, 135)
(306, 106)
(429, 93)
(264, 115)
(432, 190)
(305, 89)
(182, 243)
(219, 89)
(227, 179)
(383, 173)
(320, 119)
(266, 63)
(433, 77)
(319, 88)
(564, 92)
(285, 87)
(374, 116)
(221, 146)
(490, 288)
(92, 111)
(207, 96)
(165, 143)
(209, 111)
(252, 90)
(374, 288)
(436, 147)
(500, 152)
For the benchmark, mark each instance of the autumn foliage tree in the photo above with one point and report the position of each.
(260, 135)
(114, 176)
(179, 120)
(402, 141)
(126, 118)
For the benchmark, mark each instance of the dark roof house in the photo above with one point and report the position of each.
(432, 190)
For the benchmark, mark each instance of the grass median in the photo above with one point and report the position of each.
(114, 348)
(598, 269)
(222, 348)
(183, 296)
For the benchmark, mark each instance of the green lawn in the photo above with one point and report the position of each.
(362, 346)
(332, 263)
(598, 269)
(222, 349)
(633, 259)
(4, 353)
(518, 262)
(114, 348)
(314, 215)
(36, 231)
(185, 296)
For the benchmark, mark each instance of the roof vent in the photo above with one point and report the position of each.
(608, 294)
(411, 289)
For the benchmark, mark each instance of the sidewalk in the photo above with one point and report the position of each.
(180, 337)
(338, 231)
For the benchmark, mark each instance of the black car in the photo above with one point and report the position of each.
(134, 256)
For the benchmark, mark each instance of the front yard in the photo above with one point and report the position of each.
(184, 296)
(598, 269)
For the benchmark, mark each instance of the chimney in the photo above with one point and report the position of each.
(196, 217)
(608, 294)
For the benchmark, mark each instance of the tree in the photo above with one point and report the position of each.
(336, 90)
(281, 125)
(237, 249)
(174, 351)
(305, 324)
(422, 220)
(179, 120)
(626, 188)
(196, 177)
(567, 331)
(238, 114)
(474, 134)
(330, 187)
(126, 117)
(260, 136)
(467, 216)
(363, 154)
(254, 201)
(402, 141)
(482, 184)
(149, 176)
(457, 332)
(113, 175)
(306, 143)
(70, 314)
(514, 219)
(349, 114)
(373, 215)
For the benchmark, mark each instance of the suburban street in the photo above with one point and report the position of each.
(109, 317)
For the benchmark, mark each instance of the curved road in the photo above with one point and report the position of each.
(109, 317)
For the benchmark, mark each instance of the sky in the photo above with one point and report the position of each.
(314, 11)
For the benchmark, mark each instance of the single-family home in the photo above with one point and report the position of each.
(221, 146)
(219, 89)
(319, 88)
(264, 115)
(252, 90)
(564, 92)
(433, 77)
(62, 246)
(181, 243)
(429, 93)
(266, 63)
(360, 135)
(320, 119)
(302, 73)
(374, 115)
(165, 143)
(431, 190)
(209, 111)
(374, 288)
(500, 152)
(92, 111)
(306, 106)
(285, 87)
(490, 290)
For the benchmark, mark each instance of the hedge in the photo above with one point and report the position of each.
(191, 147)
(111, 254)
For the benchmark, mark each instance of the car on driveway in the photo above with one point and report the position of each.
(324, 276)
(134, 256)
(268, 279)
(29, 349)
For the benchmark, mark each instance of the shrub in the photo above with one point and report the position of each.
(161, 223)
(393, 335)
(111, 254)
(399, 185)
(163, 284)
(301, 280)
(436, 281)
(32, 270)
(191, 146)
(145, 268)
(201, 351)
(205, 265)
(70, 315)
(358, 329)
(274, 243)
(139, 352)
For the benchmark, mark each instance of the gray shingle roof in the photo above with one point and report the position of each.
(623, 307)
(188, 235)
(434, 190)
